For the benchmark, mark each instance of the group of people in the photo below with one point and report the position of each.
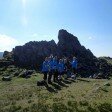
(56, 68)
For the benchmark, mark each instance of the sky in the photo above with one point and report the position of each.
(22, 21)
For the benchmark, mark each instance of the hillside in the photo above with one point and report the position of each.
(1, 54)
(82, 95)
(21, 94)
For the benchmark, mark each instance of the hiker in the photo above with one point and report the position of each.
(45, 69)
(50, 65)
(74, 67)
(60, 69)
(55, 69)
(67, 65)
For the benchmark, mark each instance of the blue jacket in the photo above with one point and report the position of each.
(61, 67)
(50, 65)
(45, 67)
(55, 64)
(74, 64)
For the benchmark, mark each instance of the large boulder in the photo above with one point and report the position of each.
(32, 54)
(69, 46)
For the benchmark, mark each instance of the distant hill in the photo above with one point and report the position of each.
(1, 54)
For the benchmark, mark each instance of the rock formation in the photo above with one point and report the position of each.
(5, 62)
(32, 54)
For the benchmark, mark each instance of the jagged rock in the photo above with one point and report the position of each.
(32, 54)
(69, 46)
(7, 59)
(8, 78)
(7, 55)
(16, 73)
(26, 73)
(4, 62)
(101, 75)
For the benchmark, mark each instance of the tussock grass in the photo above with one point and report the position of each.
(82, 95)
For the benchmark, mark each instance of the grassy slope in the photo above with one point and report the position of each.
(22, 95)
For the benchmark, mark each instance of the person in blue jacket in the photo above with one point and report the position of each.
(45, 69)
(74, 66)
(60, 69)
(50, 65)
(55, 69)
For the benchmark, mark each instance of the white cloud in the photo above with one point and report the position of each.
(7, 42)
(90, 38)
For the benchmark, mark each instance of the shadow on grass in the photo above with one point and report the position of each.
(83, 80)
(62, 84)
(67, 81)
(72, 80)
(50, 89)
(58, 87)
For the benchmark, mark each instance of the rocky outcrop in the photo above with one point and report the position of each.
(4, 62)
(26, 73)
(69, 46)
(32, 54)
(7, 55)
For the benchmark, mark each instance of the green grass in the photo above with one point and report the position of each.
(82, 95)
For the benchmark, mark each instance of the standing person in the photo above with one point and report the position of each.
(55, 69)
(60, 68)
(50, 65)
(67, 65)
(74, 67)
(45, 69)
